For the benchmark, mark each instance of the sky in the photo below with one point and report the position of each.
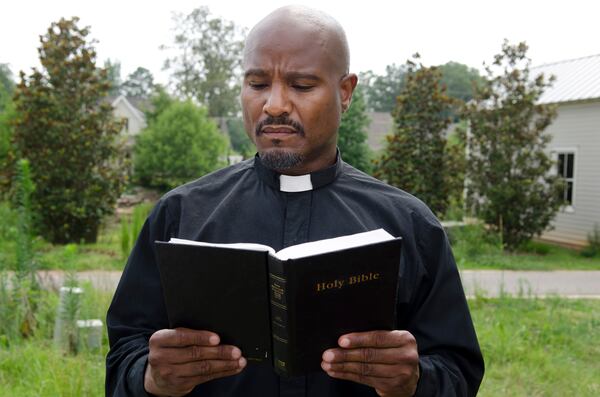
(379, 32)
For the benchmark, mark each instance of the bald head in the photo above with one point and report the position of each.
(288, 24)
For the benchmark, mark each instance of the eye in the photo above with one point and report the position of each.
(257, 86)
(302, 87)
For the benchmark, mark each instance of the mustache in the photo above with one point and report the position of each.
(279, 120)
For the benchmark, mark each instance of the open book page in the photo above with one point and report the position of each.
(333, 244)
(240, 246)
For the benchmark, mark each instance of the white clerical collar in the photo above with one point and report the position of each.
(300, 183)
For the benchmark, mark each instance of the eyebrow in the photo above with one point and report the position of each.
(255, 72)
(288, 76)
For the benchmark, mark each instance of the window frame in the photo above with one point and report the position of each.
(568, 208)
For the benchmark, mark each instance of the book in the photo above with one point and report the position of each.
(285, 307)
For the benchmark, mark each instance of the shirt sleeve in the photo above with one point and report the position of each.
(450, 359)
(137, 310)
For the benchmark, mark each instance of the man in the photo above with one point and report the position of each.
(296, 85)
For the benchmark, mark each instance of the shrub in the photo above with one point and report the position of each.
(183, 144)
(130, 228)
(510, 180)
(593, 247)
(473, 241)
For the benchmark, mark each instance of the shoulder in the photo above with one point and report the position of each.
(209, 186)
(382, 194)
(212, 181)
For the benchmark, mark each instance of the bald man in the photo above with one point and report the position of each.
(296, 189)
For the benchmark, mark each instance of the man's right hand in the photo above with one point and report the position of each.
(182, 358)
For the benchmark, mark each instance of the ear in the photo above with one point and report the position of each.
(347, 86)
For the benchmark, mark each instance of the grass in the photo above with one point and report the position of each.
(474, 249)
(532, 347)
(34, 367)
(105, 254)
(535, 347)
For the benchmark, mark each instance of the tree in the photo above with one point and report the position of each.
(381, 90)
(240, 142)
(509, 173)
(159, 102)
(139, 84)
(208, 65)
(181, 145)
(352, 135)
(7, 86)
(415, 158)
(460, 80)
(69, 135)
(113, 70)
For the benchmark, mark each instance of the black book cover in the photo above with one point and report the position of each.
(285, 311)
(221, 290)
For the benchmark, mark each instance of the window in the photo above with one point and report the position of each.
(566, 169)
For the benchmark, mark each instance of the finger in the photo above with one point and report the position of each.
(181, 337)
(182, 355)
(405, 354)
(363, 369)
(375, 382)
(208, 367)
(380, 339)
(196, 380)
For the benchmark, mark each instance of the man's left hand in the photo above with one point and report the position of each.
(385, 360)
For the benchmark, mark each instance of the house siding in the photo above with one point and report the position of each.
(577, 127)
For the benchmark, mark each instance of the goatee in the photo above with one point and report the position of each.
(280, 160)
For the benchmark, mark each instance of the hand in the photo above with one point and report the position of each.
(385, 360)
(182, 358)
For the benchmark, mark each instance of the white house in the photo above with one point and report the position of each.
(575, 145)
(135, 120)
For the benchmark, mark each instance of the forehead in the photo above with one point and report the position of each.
(289, 48)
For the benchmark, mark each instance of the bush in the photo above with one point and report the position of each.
(130, 228)
(474, 241)
(510, 180)
(183, 144)
(593, 247)
(534, 247)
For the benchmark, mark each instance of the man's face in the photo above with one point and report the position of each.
(292, 97)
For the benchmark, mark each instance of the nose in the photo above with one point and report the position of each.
(278, 101)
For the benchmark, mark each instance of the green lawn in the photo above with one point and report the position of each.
(556, 258)
(532, 347)
(535, 347)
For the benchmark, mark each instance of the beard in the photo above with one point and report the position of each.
(280, 160)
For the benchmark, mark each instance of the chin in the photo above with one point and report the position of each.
(280, 159)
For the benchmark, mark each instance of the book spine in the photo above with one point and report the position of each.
(280, 327)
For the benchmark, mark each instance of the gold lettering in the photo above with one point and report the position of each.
(361, 278)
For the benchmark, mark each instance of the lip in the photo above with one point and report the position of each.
(278, 130)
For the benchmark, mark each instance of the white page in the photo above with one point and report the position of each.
(333, 244)
(245, 246)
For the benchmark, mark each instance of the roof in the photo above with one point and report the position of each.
(576, 80)
(380, 126)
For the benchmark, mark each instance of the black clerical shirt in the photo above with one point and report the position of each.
(245, 203)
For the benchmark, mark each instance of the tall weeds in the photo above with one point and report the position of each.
(19, 293)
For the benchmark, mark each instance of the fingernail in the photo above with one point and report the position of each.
(236, 353)
(213, 340)
(326, 366)
(345, 342)
(328, 356)
(242, 363)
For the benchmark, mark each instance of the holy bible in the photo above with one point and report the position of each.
(285, 307)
